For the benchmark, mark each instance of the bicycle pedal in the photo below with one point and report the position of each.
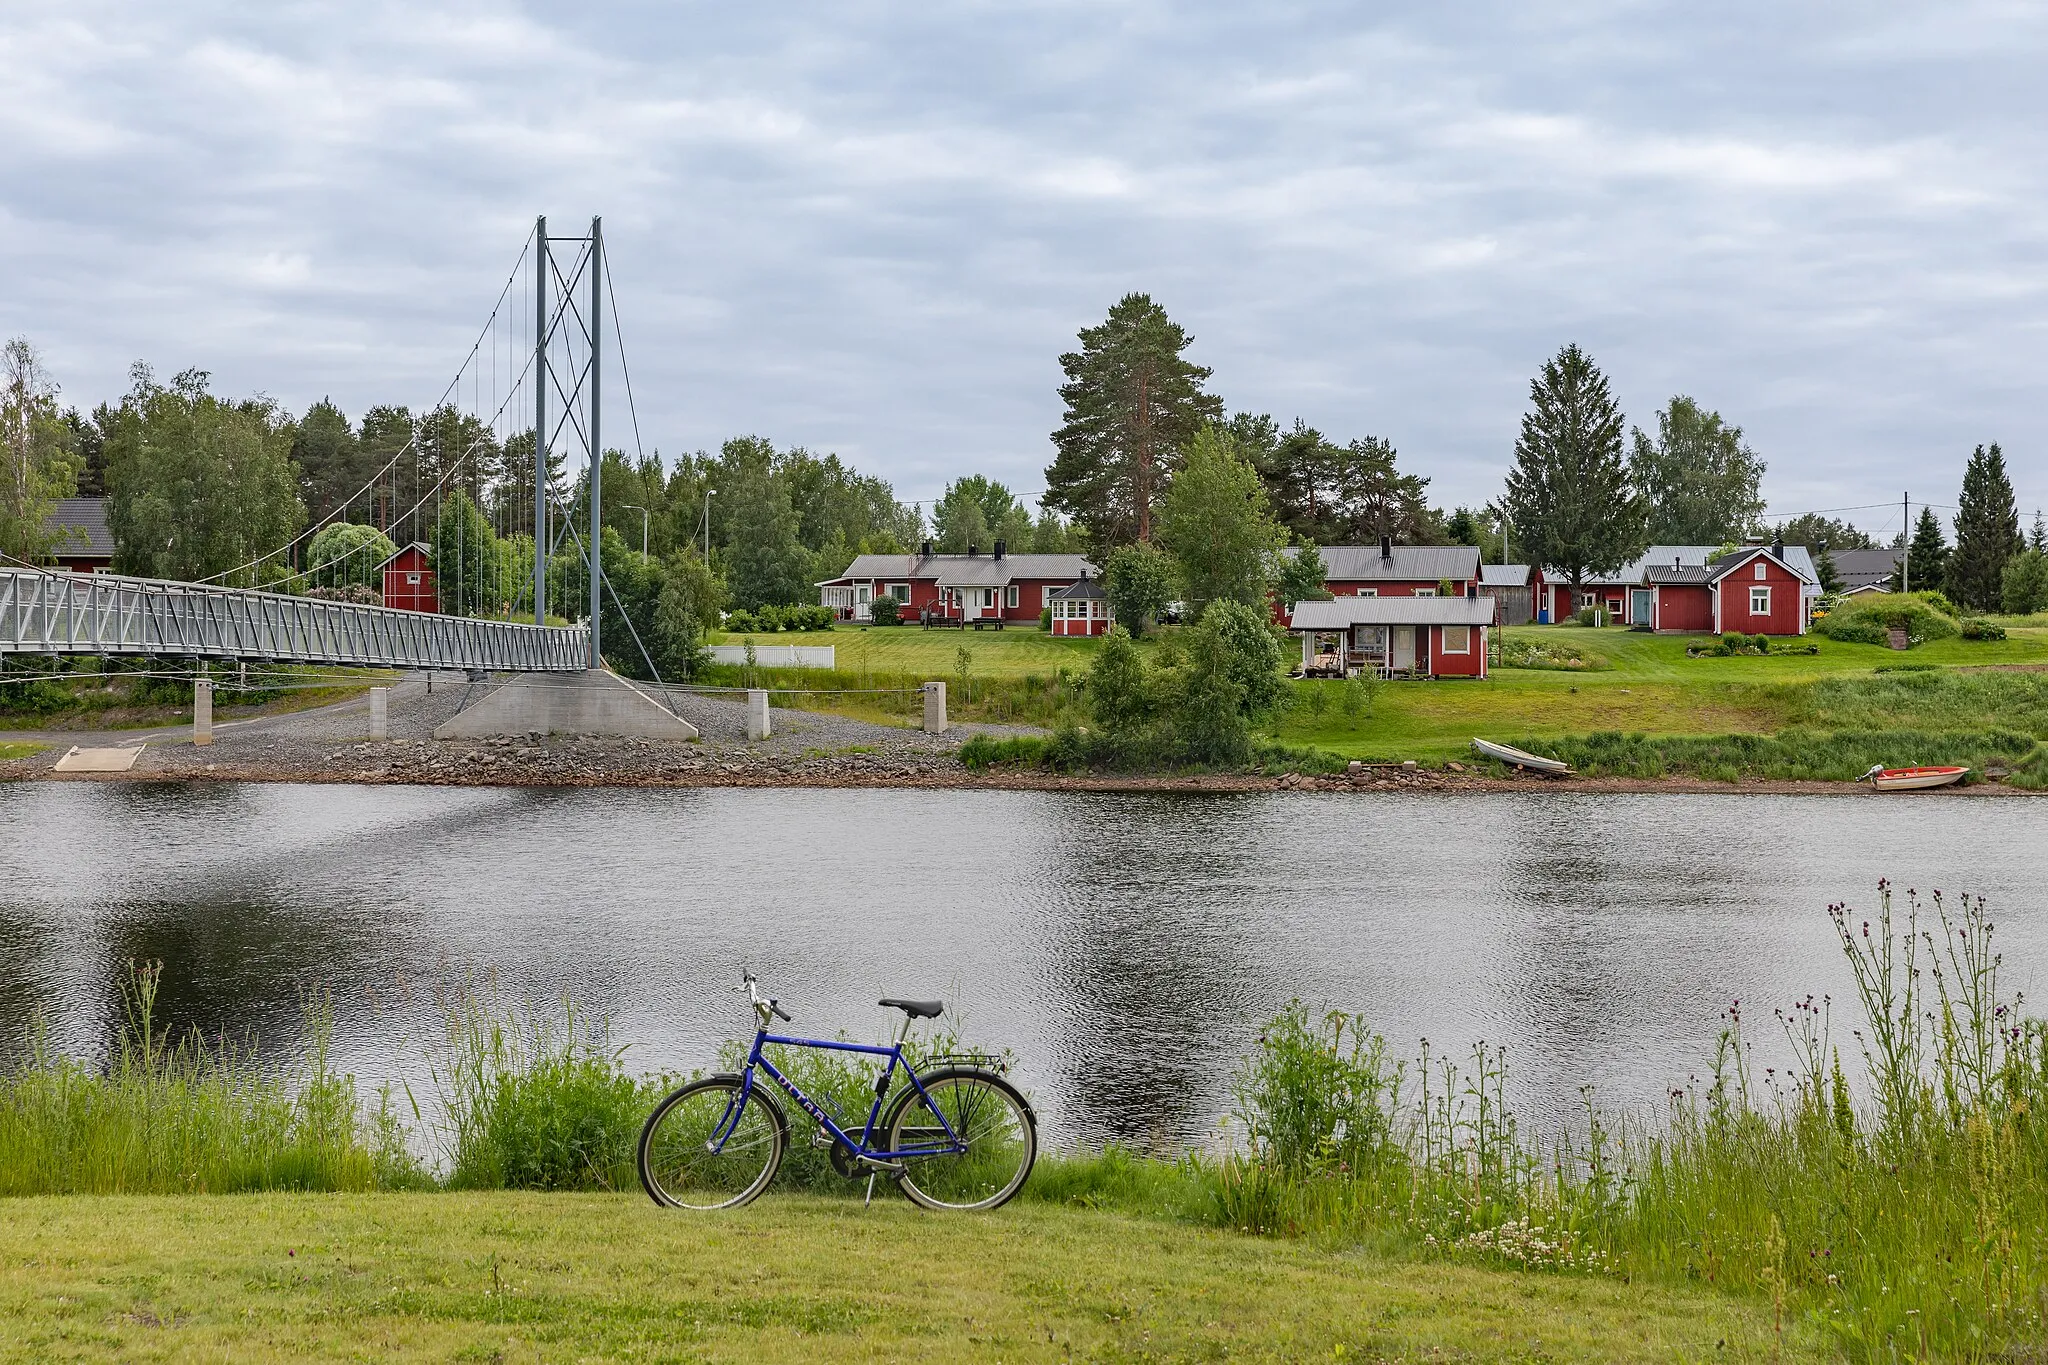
(822, 1140)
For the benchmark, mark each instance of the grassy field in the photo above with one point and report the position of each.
(18, 750)
(539, 1277)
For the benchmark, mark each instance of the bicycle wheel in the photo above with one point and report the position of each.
(677, 1164)
(985, 1112)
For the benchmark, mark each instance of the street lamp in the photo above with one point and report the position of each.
(708, 494)
(629, 507)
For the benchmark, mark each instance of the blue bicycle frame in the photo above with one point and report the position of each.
(858, 1146)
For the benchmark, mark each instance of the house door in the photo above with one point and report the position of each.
(863, 593)
(1404, 647)
(1639, 606)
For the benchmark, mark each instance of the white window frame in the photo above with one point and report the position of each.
(988, 599)
(1368, 592)
(1466, 637)
(1010, 596)
(899, 591)
(1424, 592)
(1760, 569)
(1760, 593)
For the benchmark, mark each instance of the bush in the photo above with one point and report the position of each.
(1871, 617)
(883, 611)
(1045, 619)
(1979, 629)
(1526, 653)
(1585, 616)
(1016, 751)
(741, 622)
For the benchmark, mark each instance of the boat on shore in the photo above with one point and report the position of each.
(1522, 758)
(1912, 779)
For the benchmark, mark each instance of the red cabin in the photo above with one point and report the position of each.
(84, 545)
(970, 587)
(1410, 637)
(409, 579)
(1390, 570)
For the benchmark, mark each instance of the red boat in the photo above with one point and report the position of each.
(1911, 779)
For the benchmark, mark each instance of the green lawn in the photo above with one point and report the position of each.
(1647, 685)
(548, 1277)
(19, 749)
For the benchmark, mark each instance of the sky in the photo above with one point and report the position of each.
(873, 229)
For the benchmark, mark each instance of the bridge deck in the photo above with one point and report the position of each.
(63, 613)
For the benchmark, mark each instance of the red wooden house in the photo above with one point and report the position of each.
(970, 587)
(1419, 635)
(409, 579)
(1390, 570)
(1756, 590)
(84, 544)
(1629, 594)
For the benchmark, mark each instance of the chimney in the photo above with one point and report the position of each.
(1778, 545)
(924, 551)
(1002, 547)
(1472, 588)
(972, 549)
(1386, 547)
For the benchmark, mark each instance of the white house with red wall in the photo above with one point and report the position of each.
(998, 586)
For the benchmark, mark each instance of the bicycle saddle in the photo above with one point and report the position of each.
(917, 1009)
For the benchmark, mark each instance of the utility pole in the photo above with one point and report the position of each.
(631, 507)
(540, 420)
(708, 491)
(596, 443)
(1906, 542)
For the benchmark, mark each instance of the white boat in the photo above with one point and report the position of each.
(1911, 779)
(1521, 758)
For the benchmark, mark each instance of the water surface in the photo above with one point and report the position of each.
(1126, 947)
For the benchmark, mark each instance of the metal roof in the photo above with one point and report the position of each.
(1503, 575)
(963, 571)
(1681, 573)
(1864, 568)
(84, 523)
(1796, 558)
(1420, 563)
(1342, 612)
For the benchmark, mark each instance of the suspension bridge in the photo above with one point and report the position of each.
(50, 613)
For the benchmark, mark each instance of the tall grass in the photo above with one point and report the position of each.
(1912, 1222)
(1797, 754)
(175, 1115)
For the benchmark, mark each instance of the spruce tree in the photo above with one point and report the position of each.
(1569, 495)
(1132, 405)
(1987, 532)
(1924, 567)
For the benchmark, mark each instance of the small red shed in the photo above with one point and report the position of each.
(409, 579)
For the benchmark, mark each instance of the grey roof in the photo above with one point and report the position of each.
(1081, 590)
(1864, 568)
(1431, 563)
(1637, 570)
(84, 521)
(423, 548)
(963, 571)
(1503, 575)
(1681, 573)
(1341, 612)
(1723, 565)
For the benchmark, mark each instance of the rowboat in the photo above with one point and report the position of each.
(1911, 779)
(1522, 758)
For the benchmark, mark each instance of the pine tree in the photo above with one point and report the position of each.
(1987, 532)
(1132, 404)
(1569, 496)
(1927, 560)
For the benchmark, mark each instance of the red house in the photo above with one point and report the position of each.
(1081, 609)
(1755, 590)
(409, 579)
(970, 587)
(1417, 636)
(1628, 595)
(83, 545)
(1390, 570)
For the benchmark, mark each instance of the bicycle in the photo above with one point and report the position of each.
(958, 1137)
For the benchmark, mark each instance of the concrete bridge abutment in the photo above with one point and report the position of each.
(594, 702)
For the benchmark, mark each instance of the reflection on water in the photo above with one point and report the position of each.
(1126, 947)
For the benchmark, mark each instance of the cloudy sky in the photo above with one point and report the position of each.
(873, 228)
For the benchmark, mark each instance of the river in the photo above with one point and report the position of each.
(1127, 948)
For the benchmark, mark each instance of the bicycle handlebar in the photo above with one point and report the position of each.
(763, 1008)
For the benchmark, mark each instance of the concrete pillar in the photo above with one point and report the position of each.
(757, 714)
(935, 708)
(379, 710)
(202, 712)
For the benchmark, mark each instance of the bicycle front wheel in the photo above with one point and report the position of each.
(991, 1122)
(683, 1165)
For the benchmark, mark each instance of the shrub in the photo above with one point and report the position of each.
(1586, 616)
(1526, 653)
(1979, 629)
(741, 622)
(1759, 642)
(1018, 751)
(1045, 619)
(884, 611)
(1871, 617)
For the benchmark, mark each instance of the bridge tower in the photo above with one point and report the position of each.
(568, 349)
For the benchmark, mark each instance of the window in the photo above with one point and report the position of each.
(1425, 592)
(1457, 639)
(1759, 568)
(900, 591)
(1368, 592)
(1759, 601)
(988, 597)
(1010, 596)
(415, 578)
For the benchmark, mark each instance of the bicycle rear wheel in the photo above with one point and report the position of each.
(678, 1167)
(987, 1115)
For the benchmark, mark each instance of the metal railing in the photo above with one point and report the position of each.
(44, 612)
